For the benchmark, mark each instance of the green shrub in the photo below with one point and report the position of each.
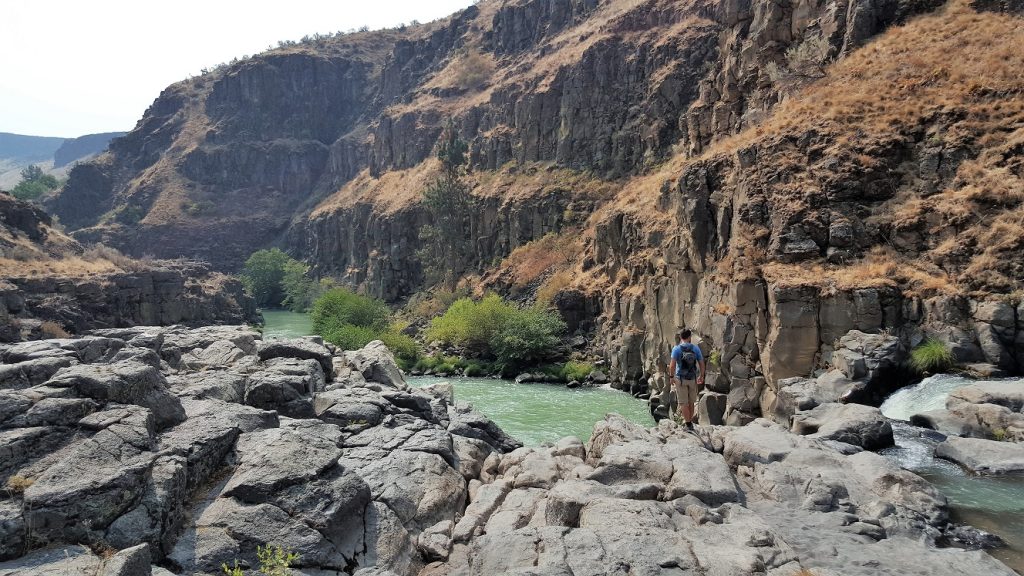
(262, 276)
(275, 560)
(931, 356)
(715, 358)
(573, 370)
(299, 289)
(999, 434)
(527, 336)
(471, 324)
(475, 369)
(339, 307)
(404, 347)
(493, 328)
(350, 336)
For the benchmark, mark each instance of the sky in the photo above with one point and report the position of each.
(75, 67)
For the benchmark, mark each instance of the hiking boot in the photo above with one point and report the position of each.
(689, 426)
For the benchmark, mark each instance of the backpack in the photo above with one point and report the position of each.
(686, 365)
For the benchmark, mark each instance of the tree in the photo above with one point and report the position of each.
(263, 274)
(34, 183)
(299, 289)
(446, 242)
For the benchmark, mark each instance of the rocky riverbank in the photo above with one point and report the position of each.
(51, 285)
(173, 450)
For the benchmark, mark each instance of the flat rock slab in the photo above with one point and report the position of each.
(983, 456)
(854, 424)
(301, 348)
(125, 382)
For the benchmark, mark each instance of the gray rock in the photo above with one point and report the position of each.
(464, 421)
(125, 382)
(53, 412)
(286, 385)
(443, 390)
(21, 375)
(57, 561)
(270, 460)
(134, 561)
(96, 480)
(300, 348)
(376, 364)
(983, 456)
(854, 424)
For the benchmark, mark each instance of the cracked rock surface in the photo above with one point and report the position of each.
(157, 451)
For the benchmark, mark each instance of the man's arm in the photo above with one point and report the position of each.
(672, 369)
(703, 371)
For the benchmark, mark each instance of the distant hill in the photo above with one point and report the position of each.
(28, 149)
(74, 149)
(52, 154)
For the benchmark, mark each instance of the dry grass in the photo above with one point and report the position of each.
(534, 259)
(18, 484)
(881, 268)
(554, 284)
(53, 330)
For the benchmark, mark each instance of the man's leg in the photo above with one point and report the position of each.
(677, 386)
(689, 395)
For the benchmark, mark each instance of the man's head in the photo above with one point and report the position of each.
(684, 335)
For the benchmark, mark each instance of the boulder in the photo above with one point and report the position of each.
(983, 456)
(125, 382)
(376, 364)
(464, 421)
(854, 424)
(300, 348)
(97, 479)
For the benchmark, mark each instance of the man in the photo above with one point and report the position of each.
(687, 370)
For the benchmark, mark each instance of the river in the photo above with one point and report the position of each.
(992, 503)
(532, 413)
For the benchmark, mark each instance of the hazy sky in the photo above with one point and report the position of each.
(73, 67)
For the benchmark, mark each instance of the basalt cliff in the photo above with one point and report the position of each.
(51, 286)
(788, 178)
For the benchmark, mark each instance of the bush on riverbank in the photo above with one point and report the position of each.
(351, 321)
(932, 356)
(275, 279)
(494, 329)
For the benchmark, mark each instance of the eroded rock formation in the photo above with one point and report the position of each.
(183, 449)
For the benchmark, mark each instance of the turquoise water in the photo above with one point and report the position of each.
(536, 413)
(533, 413)
(991, 503)
(286, 324)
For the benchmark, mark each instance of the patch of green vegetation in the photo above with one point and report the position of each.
(999, 434)
(492, 328)
(274, 561)
(932, 356)
(351, 321)
(273, 279)
(715, 358)
(574, 370)
(34, 183)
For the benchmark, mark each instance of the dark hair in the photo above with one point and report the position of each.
(685, 334)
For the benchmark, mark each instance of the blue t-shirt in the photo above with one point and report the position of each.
(677, 355)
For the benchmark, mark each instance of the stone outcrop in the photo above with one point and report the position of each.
(159, 293)
(121, 440)
(987, 410)
(49, 278)
(757, 499)
(158, 467)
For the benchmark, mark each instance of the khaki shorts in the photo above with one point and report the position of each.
(686, 391)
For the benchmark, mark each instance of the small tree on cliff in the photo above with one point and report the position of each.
(446, 242)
